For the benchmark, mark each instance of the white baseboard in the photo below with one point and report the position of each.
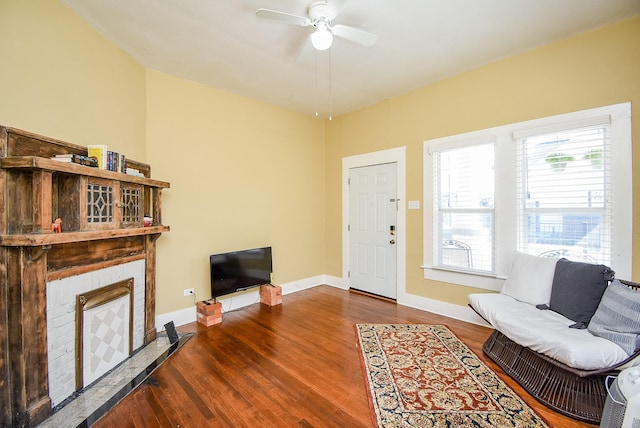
(303, 284)
(463, 313)
(181, 317)
(237, 301)
(335, 281)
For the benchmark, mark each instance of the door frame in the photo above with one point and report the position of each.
(398, 156)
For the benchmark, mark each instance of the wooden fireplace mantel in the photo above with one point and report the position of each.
(103, 224)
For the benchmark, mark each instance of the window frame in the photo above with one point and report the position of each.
(505, 204)
(439, 211)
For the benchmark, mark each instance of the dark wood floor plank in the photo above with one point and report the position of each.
(291, 365)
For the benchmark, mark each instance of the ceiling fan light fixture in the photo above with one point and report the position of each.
(322, 38)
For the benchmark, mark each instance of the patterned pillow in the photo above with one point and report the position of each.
(618, 317)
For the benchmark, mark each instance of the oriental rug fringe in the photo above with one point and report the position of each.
(423, 376)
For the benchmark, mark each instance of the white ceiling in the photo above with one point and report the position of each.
(222, 44)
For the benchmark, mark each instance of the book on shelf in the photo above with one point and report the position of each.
(110, 156)
(107, 159)
(116, 161)
(98, 151)
(98, 156)
(134, 172)
(75, 158)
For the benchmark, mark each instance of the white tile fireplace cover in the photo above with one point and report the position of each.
(61, 326)
(105, 338)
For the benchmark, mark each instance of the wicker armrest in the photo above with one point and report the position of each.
(631, 284)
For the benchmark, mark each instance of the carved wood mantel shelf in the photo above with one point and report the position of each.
(63, 238)
(103, 225)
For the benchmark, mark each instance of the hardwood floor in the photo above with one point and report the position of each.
(292, 365)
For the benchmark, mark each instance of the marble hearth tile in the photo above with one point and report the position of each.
(89, 405)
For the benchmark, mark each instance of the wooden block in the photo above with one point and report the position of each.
(209, 314)
(271, 295)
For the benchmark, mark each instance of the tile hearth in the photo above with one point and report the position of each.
(86, 407)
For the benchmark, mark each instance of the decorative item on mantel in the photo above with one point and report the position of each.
(56, 226)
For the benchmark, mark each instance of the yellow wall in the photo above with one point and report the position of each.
(243, 174)
(60, 78)
(594, 69)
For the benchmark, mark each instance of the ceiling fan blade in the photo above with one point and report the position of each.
(287, 18)
(354, 35)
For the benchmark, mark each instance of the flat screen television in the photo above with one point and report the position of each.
(240, 270)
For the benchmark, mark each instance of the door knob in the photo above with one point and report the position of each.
(393, 241)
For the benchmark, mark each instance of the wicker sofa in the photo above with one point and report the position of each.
(561, 328)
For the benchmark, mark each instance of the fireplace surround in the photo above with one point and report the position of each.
(35, 191)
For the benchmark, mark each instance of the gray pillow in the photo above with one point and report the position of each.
(577, 289)
(618, 317)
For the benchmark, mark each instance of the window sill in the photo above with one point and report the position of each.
(465, 278)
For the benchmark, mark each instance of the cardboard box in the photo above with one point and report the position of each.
(209, 313)
(271, 295)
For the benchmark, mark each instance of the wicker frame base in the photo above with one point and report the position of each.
(577, 394)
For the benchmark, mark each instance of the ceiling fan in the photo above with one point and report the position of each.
(319, 16)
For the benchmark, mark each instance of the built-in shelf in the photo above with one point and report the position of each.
(39, 163)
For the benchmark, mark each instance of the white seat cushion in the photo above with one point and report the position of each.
(546, 332)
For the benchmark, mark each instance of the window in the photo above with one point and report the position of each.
(564, 194)
(557, 187)
(463, 209)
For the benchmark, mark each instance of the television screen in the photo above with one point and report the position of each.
(240, 270)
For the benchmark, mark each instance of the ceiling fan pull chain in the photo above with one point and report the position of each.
(316, 59)
(330, 87)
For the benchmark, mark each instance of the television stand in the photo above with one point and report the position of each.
(209, 312)
(270, 294)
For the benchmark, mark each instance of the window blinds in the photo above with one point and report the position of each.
(564, 194)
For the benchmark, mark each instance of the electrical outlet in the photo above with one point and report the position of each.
(189, 292)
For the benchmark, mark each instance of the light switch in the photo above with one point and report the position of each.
(414, 205)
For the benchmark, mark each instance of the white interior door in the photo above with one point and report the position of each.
(373, 210)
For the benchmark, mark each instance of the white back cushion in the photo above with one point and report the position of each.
(530, 278)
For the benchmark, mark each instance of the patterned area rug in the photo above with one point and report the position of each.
(423, 376)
